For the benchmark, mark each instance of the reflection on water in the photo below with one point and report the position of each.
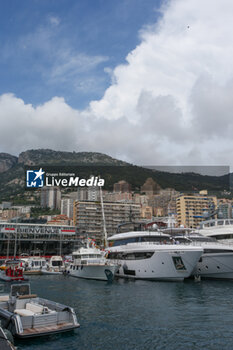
(139, 314)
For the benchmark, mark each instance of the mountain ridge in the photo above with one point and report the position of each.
(12, 172)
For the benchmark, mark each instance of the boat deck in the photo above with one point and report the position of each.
(32, 272)
(32, 332)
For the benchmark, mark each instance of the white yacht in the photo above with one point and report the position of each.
(55, 266)
(217, 258)
(33, 265)
(221, 229)
(150, 255)
(90, 263)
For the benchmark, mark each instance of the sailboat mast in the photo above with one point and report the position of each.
(103, 217)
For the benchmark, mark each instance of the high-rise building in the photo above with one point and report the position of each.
(225, 210)
(90, 193)
(191, 209)
(51, 197)
(67, 207)
(93, 193)
(82, 194)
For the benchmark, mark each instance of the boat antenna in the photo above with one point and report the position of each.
(130, 215)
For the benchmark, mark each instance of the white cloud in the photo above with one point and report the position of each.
(54, 20)
(24, 126)
(171, 103)
(68, 65)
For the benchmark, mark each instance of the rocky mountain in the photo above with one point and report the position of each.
(50, 157)
(12, 169)
(7, 161)
(12, 173)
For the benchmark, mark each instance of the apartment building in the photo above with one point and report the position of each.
(191, 208)
(88, 217)
(67, 207)
(51, 197)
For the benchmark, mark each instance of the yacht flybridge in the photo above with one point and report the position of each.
(152, 256)
(221, 229)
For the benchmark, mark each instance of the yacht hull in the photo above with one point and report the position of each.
(217, 266)
(46, 331)
(167, 264)
(51, 272)
(96, 272)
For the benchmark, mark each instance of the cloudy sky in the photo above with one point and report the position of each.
(150, 82)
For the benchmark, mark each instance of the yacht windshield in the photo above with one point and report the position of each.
(225, 236)
(124, 241)
(57, 263)
(203, 239)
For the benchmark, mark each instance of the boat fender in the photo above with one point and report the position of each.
(197, 278)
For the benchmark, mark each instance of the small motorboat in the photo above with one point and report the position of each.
(33, 265)
(13, 271)
(26, 315)
(55, 266)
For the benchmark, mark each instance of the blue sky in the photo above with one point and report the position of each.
(67, 47)
(146, 81)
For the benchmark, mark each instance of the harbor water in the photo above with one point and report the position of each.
(139, 315)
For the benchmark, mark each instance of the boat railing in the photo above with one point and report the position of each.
(173, 242)
(167, 242)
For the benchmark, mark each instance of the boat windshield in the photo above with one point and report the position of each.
(203, 239)
(38, 263)
(57, 263)
(20, 289)
(87, 256)
(225, 236)
(124, 241)
(77, 256)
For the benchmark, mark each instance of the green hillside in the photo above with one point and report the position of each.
(84, 164)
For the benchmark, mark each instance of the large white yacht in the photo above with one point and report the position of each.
(89, 262)
(221, 229)
(217, 258)
(152, 256)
